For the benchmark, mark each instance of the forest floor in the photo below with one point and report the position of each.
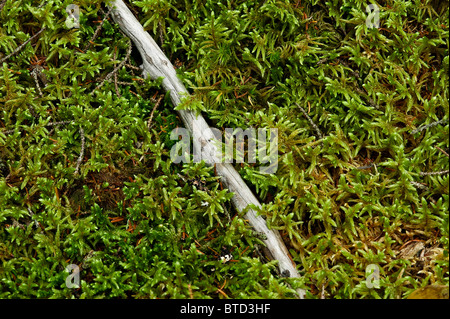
(359, 97)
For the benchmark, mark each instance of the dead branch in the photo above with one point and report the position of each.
(149, 123)
(318, 131)
(121, 64)
(97, 31)
(20, 47)
(426, 126)
(434, 173)
(80, 158)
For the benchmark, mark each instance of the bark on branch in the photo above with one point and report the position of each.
(156, 65)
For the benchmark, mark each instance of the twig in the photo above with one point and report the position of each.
(322, 293)
(424, 127)
(36, 223)
(153, 111)
(42, 4)
(34, 74)
(124, 83)
(227, 213)
(16, 223)
(366, 166)
(80, 158)
(58, 123)
(319, 133)
(419, 185)
(7, 132)
(370, 101)
(116, 68)
(434, 173)
(20, 47)
(115, 74)
(353, 72)
(97, 31)
(161, 35)
(128, 65)
(322, 61)
(149, 123)
(182, 177)
(446, 154)
(359, 89)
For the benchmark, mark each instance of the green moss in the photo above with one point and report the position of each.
(138, 225)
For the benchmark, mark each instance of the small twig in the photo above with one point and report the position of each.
(7, 132)
(59, 123)
(128, 65)
(121, 64)
(370, 101)
(359, 89)
(161, 35)
(227, 213)
(424, 127)
(446, 154)
(34, 74)
(322, 293)
(97, 31)
(16, 223)
(322, 61)
(115, 74)
(36, 223)
(149, 123)
(133, 10)
(261, 255)
(80, 158)
(433, 173)
(42, 4)
(353, 72)
(153, 111)
(182, 177)
(319, 133)
(20, 47)
(124, 83)
(419, 185)
(366, 167)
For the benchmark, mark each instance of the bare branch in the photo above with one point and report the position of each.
(97, 31)
(319, 133)
(80, 158)
(108, 77)
(7, 132)
(424, 127)
(116, 86)
(419, 185)
(153, 111)
(445, 153)
(433, 173)
(20, 47)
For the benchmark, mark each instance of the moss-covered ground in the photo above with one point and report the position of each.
(362, 117)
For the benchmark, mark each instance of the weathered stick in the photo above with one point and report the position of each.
(20, 47)
(156, 65)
